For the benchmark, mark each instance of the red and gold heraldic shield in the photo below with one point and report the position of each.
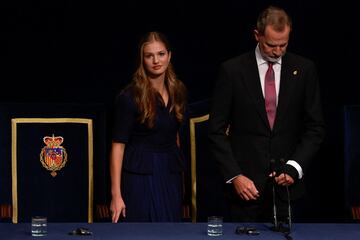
(53, 156)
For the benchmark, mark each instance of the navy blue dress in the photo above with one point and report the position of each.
(152, 168)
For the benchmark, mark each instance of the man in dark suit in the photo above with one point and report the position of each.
(266, 107)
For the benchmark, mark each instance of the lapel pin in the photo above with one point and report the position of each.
(295, 72)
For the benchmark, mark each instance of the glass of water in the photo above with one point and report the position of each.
(38, 226)
(214, 226)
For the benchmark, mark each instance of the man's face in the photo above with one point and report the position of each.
(272, 43)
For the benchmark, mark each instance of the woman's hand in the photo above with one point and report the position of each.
(117, 208)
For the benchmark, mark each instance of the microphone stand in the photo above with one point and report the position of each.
(278, 227)
(276, 224)
(282, 161)
(272, 169)
(289, 208)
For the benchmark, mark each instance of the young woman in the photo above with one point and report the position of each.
(145, 162)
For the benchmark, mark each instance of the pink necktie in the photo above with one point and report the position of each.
(270, 94)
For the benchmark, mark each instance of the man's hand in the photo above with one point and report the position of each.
(245, 188)
(284, 179)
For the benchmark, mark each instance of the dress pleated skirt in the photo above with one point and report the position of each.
(155, 197)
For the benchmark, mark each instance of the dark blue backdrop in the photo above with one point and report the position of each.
(74, 51)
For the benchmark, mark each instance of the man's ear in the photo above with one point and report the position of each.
(256, 34)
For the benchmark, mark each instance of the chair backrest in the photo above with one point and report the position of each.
(206, 185)
(50, 155)
(52, 175)
(352, 158)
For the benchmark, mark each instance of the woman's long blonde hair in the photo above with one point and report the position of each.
(145, 95)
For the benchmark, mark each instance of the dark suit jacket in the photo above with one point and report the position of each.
(238, 102)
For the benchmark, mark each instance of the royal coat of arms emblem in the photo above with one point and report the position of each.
(53, 156)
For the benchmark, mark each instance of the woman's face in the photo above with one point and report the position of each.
(156, 58)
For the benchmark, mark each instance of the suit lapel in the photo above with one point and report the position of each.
(288, 77)
(252, 82)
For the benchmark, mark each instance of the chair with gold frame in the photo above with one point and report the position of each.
(53, 162)
(207, 186)
(52, 169)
